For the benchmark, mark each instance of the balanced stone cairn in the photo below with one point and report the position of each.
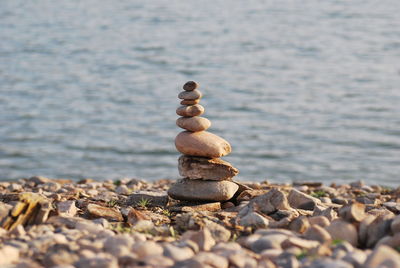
(207, 178)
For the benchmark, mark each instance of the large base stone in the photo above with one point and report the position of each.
(199, 190)
(205, 168)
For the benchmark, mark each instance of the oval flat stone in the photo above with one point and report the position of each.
(190, 102)
(198, 190)
(194, 124)
(192, 110)
(190, 95)
(190, 86)
(202, 143)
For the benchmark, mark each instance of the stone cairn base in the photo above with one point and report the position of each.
(207, 178)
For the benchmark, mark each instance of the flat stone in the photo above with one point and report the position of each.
(194, 124)
(192, 110)
(202, 143)
(189, 102)
(195, 206)
(190, 86)
(190, 95)
(111, 214)
(154, 199)
(198, 190)
(342, 230)
(383, 256)
(205, 168)
(301, 200)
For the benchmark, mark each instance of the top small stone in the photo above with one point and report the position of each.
(190, 85)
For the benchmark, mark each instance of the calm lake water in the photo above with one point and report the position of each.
(303, 90)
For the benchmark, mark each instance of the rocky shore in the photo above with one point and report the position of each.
(134, 223)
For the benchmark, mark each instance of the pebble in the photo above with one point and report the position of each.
(319, 220)
(97, 262)
(189, 102)
(190, 86)
(192, 110)
(318, 233)
(395, 226)
(203, 238)
(341, 230)
(383, 256)
(270, 202)
(300, 225)
(123, 189)
(14, 187)
(378, 228)
(354, 212)
(177, 253)
(147, 248)
(202, 143)
(195, 190)
(67, 208)
(301, 200)
(268, 242)
(254, 220)
(194, 124)
(190, 95)
(8, 255)
(207, 169)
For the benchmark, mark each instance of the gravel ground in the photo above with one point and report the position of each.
(133, 223)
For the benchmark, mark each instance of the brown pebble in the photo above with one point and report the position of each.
(190, 102)
(190, 95)
(192, 110)
(190, 85)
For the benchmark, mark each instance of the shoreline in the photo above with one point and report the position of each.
(133, 223)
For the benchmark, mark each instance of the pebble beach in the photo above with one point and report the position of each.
(134, 223)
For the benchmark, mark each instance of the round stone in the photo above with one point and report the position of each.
(195, 190)
(190, 102)
(192, 110)
(190, 95)
(194, 124)
(190, 86)
(202, 143)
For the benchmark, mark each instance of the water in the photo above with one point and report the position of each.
(303, 90)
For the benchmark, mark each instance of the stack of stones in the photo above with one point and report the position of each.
(206, 177)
